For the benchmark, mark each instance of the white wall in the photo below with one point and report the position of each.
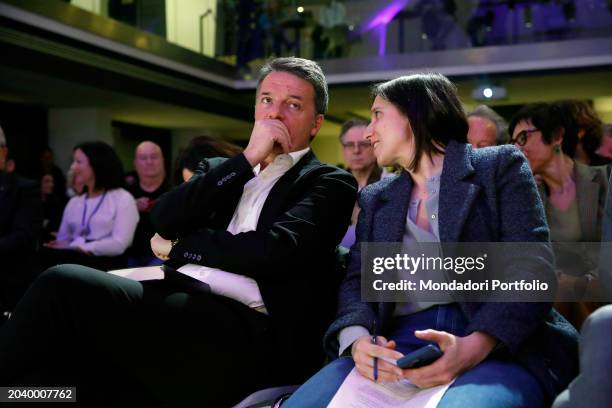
(183, 24)
(68, 127)
(99, 7)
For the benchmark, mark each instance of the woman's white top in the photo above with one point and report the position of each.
(103, 225)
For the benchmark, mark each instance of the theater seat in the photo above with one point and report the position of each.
(267, 398)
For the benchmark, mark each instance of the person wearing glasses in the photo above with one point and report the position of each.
(358, 153)
(573, 193)
(499, 354)
(360, 161)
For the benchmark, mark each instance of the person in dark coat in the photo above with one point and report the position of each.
(498, 354)
(20, 229)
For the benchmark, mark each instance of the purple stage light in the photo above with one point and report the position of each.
(384, 16)
(381, 19)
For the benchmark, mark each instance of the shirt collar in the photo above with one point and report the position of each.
(283, 162)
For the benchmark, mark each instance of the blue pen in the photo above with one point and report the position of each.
(375, 358)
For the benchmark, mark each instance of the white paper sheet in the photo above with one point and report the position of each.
(140, 274)
(359, 392)
(231, 285)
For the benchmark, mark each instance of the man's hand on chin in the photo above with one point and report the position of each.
(269, 138)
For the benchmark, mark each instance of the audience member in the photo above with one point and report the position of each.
(20, 221)
(580, 118)
(147, 187)
(360, 161)
(199, 148)
(269, 218)
(52, 208)
(591, 387)
(48, 166)
(75, 185)
(573, 193)
(98, 226)
(605, 149)
(497, 353)
(358, 153)
(487, 128)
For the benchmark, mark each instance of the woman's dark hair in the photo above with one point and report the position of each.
(550, 119)
(105, 164)
(202, 147)
(433, 108)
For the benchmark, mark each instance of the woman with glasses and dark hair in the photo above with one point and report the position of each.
(499, 354)
(97, 226)
(573, 193)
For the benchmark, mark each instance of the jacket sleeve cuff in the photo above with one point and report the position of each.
(348, 335)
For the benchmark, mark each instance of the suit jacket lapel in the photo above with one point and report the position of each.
(390, 219)
(457, 194)
(282, 187)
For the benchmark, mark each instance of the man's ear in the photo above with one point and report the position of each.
(317, 125)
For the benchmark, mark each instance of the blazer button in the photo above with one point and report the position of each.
(220, 183)
(199, 258)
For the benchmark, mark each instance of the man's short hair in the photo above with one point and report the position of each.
(501, 133)
(2, 138)
(351, 123)
(303, 68)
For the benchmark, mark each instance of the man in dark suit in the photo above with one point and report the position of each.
(269, 219)
(20, 226)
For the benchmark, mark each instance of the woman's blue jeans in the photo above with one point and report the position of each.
(494, 383)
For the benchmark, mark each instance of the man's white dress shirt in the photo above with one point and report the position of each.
(246, 217)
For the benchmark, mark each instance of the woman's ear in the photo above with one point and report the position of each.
(558, 134)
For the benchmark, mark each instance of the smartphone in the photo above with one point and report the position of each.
(421, 357)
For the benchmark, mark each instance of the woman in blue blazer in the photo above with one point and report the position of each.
(500, 354)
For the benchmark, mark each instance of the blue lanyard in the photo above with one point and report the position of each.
(85, 230)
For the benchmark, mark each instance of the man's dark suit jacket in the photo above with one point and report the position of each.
(20, 228)
(291, 254)
(486, 195)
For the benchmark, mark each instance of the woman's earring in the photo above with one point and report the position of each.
(557, 149)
